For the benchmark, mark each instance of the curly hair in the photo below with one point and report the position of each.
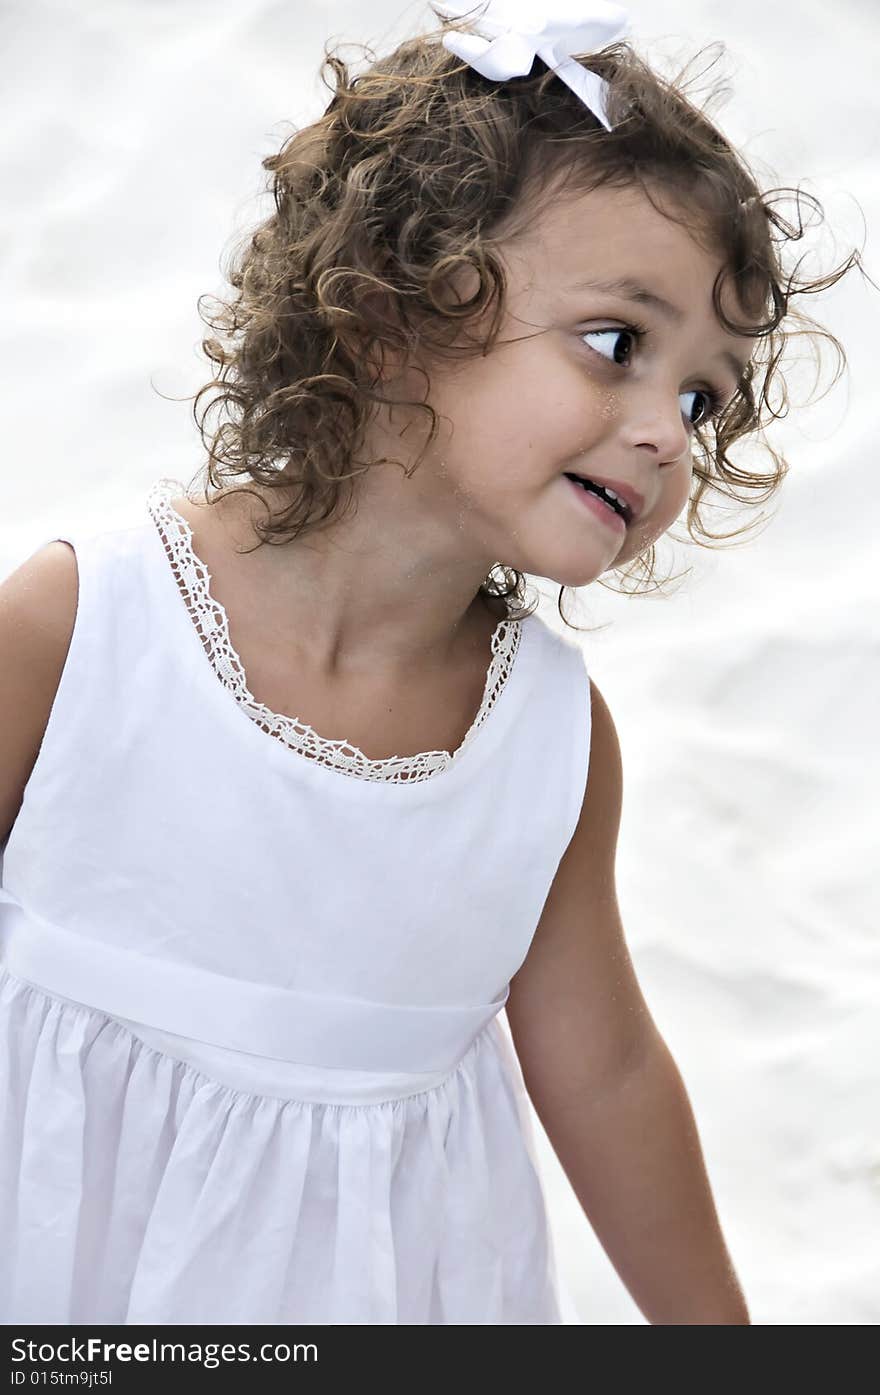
(415, 172)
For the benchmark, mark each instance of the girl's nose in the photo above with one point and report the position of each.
(657, 421)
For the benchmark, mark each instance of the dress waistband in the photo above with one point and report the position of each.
(239, 1014)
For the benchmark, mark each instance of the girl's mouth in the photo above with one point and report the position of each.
(591, 497)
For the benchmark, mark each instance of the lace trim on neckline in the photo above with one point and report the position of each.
(212, 624)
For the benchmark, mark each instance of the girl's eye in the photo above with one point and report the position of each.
(706, 408)
(610, 349)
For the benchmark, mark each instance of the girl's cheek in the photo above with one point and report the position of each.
(676, 500)
(642, 538)
(669, 508)
(602, 411)
(654, 527)
(607, 402)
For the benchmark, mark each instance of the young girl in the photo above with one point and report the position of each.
(293, 785)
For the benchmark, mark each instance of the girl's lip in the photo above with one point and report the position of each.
(604, 512)
(635, 502)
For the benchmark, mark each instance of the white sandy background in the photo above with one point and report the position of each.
(746, 701)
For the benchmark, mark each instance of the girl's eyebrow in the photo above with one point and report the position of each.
(631, 290)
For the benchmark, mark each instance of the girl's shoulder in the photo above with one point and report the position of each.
(38, 603)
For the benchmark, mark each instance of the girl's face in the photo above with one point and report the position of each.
(587, 376)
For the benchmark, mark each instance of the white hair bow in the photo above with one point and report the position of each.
(509, 34)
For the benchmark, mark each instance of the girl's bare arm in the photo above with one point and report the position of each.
(604, 1083)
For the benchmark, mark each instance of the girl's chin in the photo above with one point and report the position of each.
(575, 578)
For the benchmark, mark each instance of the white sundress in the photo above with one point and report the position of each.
(252, 1068)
